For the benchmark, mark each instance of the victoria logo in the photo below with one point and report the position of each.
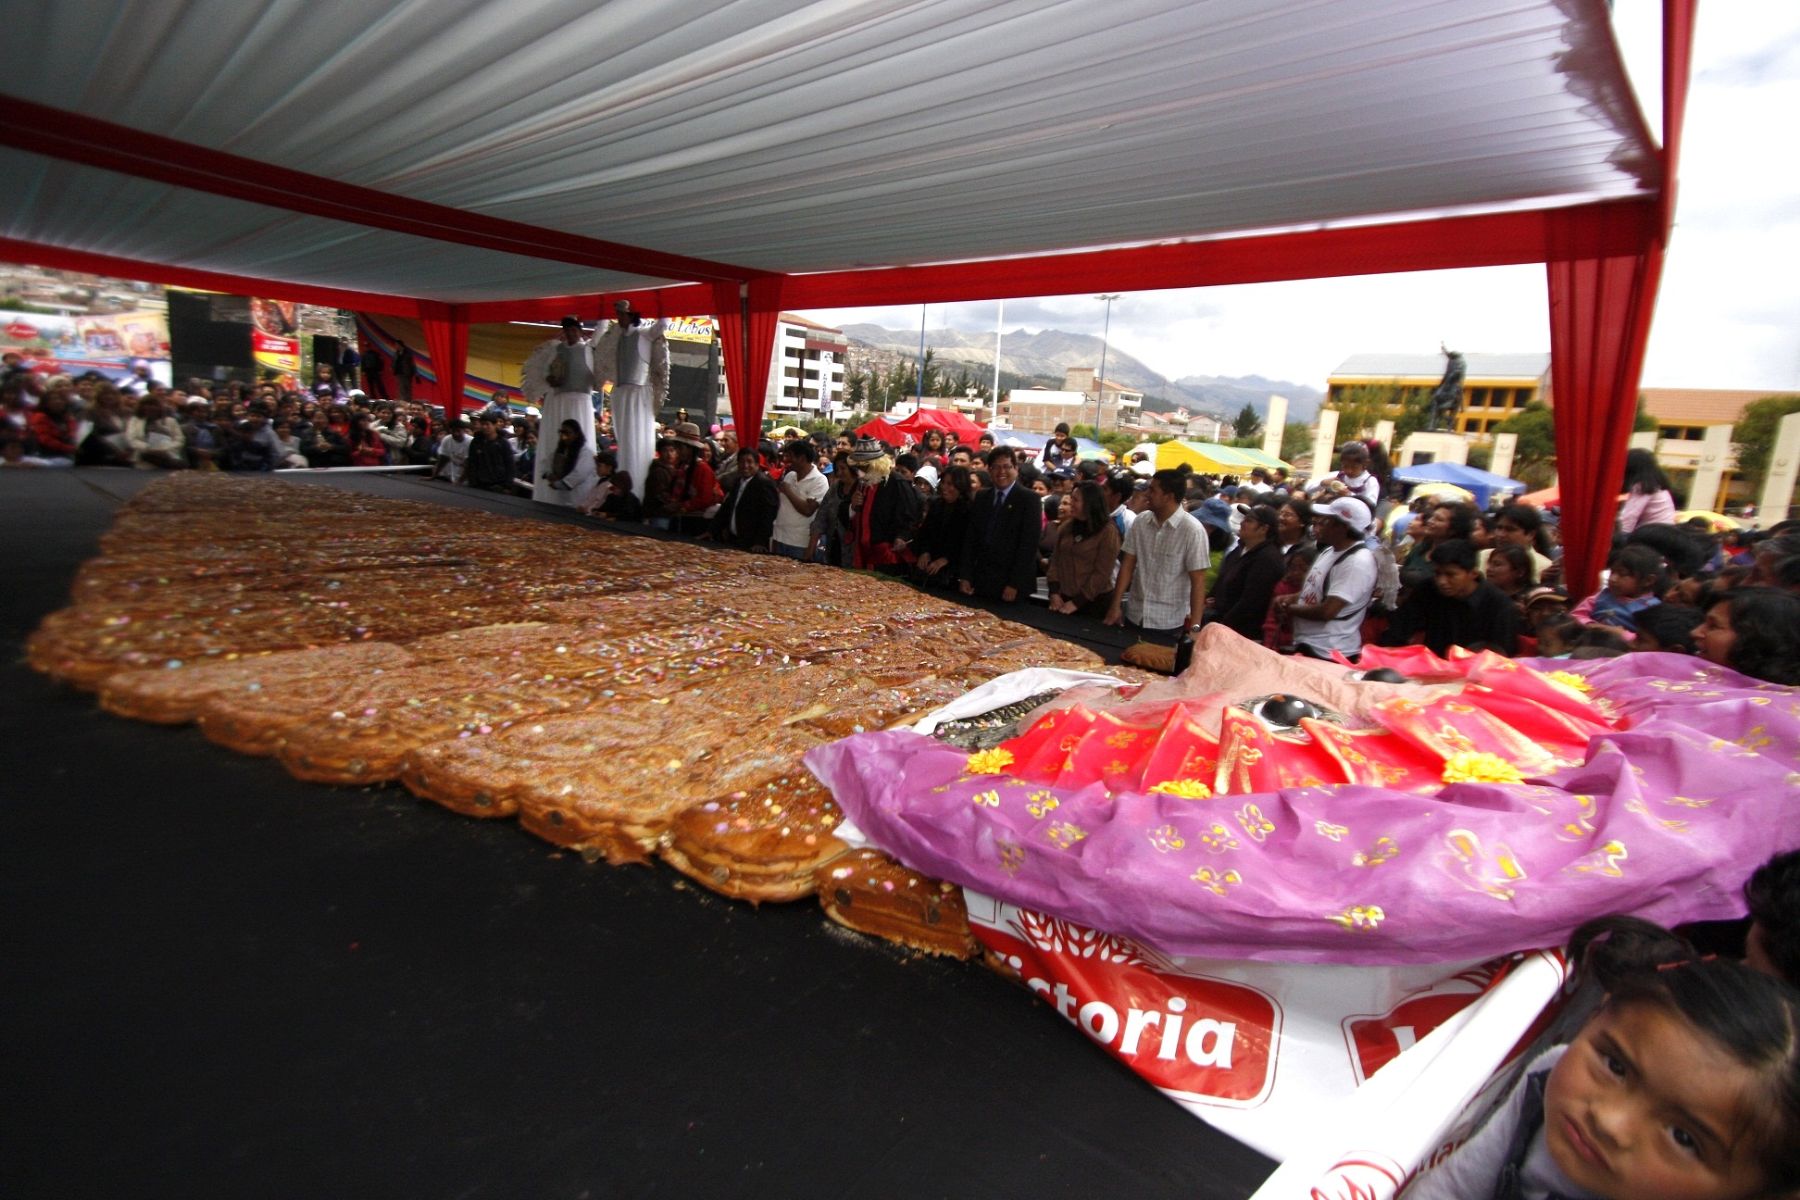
(1208, 1037)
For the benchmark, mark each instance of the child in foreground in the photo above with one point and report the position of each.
(1683, 1085)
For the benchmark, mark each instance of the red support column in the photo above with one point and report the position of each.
(447, 344)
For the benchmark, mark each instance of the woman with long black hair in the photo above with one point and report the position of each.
(1649, 497)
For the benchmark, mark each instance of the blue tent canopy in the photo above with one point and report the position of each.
(1479, 483)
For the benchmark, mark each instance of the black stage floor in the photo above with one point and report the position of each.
(222, 982)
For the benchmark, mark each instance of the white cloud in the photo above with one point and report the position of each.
(1728, 314)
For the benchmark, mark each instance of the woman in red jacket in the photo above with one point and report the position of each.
(51, 426)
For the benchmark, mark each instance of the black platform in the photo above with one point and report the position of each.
(223, 982)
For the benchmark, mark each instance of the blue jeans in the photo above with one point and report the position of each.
(786, 551)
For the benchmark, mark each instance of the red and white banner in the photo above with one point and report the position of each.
(1275, 1053)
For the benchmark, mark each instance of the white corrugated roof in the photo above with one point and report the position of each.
(801, 137)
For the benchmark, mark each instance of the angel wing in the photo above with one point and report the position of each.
(532, 380)
(659, 363)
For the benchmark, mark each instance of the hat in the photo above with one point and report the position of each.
(688, 434)
(571, 320)
(323, 389)
(1348, 509)
(200, 400)
(1538, 595)
(1265, 514)
(531, 410)
(867, 449)
(928, 473)
(357, 392)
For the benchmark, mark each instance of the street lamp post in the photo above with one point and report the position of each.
(1100, 383)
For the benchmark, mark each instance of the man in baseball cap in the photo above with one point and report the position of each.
(1328, 611)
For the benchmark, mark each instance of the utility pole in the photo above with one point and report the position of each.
(1100, 383)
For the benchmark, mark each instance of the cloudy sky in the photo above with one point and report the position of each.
(1728, 314)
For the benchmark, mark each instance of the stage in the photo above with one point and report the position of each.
(223, 981)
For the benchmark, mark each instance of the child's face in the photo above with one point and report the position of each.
(1625, 585)
(1643, 1104)
(1297, 567)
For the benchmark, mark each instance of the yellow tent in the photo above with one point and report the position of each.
(1208, 458)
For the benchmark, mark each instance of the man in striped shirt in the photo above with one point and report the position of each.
(1162, 575)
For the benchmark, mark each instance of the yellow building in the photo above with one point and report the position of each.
(1495, 386)
(1683, 415)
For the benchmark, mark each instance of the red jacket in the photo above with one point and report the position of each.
(54, 438)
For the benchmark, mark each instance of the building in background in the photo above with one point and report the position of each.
(1040, 410)
(1683, 416)
(806, 379)
(1495, 386)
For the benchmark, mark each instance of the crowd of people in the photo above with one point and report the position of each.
(1315, 567)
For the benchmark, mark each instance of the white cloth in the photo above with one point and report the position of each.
(792, 529)
(635, 401)
(1354, 583)
(1364, 487)
(1167, 553)
(559, 407)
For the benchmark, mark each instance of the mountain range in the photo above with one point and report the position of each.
(1047, 355)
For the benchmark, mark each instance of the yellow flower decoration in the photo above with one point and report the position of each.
(988, 762)
(1473, 766)
(1570, 679)
(1187, 789)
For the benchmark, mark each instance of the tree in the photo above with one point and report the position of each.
(1754, 434)
(1296, 440)
(1246, 424)
(1534, 460)
(1360, 407)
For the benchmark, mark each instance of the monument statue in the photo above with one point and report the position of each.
(1446, 401)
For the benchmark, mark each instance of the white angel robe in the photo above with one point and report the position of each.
(572, 400)
(636, 363)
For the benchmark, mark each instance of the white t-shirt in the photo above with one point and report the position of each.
(792, 529)
(1354, 583)
(456, 454)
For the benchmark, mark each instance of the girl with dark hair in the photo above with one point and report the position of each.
(1756, 632)
(1086, 555)
(931, 448)
(1509, 569)
(366, 447)
(1685, 1082)
(568, 457)
(1667, 627)
(1649, 499)
(1635, 581)
(1450, 521)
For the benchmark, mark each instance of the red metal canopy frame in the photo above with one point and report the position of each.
(1603, 263)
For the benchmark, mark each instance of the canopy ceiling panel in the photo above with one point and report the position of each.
(63, 204)
(799, 137)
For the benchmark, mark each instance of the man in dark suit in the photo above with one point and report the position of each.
(999, 557)
(747, 517)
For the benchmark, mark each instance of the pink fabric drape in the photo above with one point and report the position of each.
(447, 348)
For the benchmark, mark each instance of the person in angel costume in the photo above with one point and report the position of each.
(633, 356)
(559, 377)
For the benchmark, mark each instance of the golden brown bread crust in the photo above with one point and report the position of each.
(619, 803)
(165, 696)
(481, 776)
(760, 843)
(867, 891)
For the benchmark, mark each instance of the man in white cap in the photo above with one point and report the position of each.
(560, 378)
(633, 356)
(1329, 608)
